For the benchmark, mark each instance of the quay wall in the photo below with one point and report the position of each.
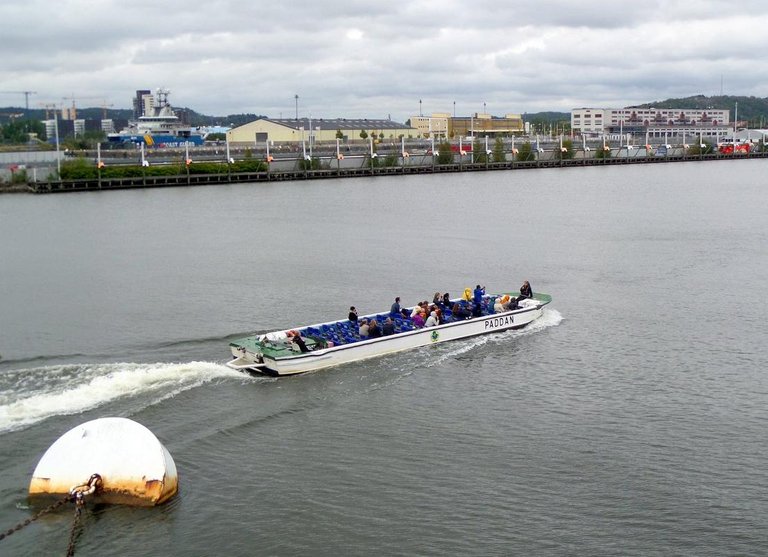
(289, 169)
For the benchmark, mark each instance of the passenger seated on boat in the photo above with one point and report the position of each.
(396, 309)
(446, 301)
(353, 315)
(525, 290)
(388, 328)
(364, 329)
(295, 338)
(437, 298)
(440, 318)
(467, 295)
(374, 331)
(511, 303)
(460, 312)
(418, 320)
(498, 305)
(432, 320)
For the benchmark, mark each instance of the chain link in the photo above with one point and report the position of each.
(30, 520)
(80, 503)
(76, 494)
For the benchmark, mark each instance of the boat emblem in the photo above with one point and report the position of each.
(435, 336)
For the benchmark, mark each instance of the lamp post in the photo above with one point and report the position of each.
(296, 98)
(420, 113)
(56, 130)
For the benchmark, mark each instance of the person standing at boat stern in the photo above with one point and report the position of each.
(477, 300)
(353, 315)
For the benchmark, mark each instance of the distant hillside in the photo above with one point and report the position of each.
(187, 115)
(752, 109)
(546, 117)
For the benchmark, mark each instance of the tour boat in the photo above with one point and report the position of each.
(338, 342)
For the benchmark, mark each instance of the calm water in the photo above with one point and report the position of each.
(630, 420)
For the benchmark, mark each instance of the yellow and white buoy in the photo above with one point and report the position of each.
(133, 466)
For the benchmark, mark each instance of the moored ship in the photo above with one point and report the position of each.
(162, 128)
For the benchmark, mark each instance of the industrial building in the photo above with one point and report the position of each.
(481, 124)
(293, 130)
(443, 125)
(656, 122)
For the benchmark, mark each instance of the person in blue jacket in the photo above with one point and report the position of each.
(477, 299)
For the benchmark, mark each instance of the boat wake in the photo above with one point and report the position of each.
(28, 396)
(549, 318)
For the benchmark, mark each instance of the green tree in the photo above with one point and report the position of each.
(498, 150)
(697, 149)
(478, 148)
(363, 134)
(313, 164)
(216, 137)
(444, 153)
(602, 153)
(17, 132)
(339, 134)
(525, 152)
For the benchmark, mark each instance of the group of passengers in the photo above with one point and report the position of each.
(372, 329)
(425, 314)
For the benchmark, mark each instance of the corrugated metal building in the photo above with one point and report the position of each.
(292, 130)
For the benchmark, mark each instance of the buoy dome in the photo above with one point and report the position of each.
(136, 469)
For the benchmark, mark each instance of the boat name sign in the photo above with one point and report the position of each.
(499, 322)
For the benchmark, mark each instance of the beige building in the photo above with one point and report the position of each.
(431, 126)
(291, 130)
(484, 124)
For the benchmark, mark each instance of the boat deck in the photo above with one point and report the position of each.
(343, 332)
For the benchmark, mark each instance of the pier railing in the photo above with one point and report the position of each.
(290, 169)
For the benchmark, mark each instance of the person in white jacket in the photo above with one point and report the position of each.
(432, 320)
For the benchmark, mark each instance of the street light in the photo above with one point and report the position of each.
(296, 98)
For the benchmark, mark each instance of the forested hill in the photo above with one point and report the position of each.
(752, 109)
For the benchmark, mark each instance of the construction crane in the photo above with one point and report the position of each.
(25, 93)
(49, 108)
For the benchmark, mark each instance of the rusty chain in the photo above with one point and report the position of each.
(77, 495)
(31, 519)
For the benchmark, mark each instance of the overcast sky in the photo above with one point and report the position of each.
(374, 59)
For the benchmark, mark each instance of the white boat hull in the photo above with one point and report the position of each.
(298, 362)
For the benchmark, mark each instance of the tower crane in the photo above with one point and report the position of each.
(25, 93)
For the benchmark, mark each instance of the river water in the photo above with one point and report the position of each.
(629, 420)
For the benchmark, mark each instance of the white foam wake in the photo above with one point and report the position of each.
(32, 395)
(549, 318)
